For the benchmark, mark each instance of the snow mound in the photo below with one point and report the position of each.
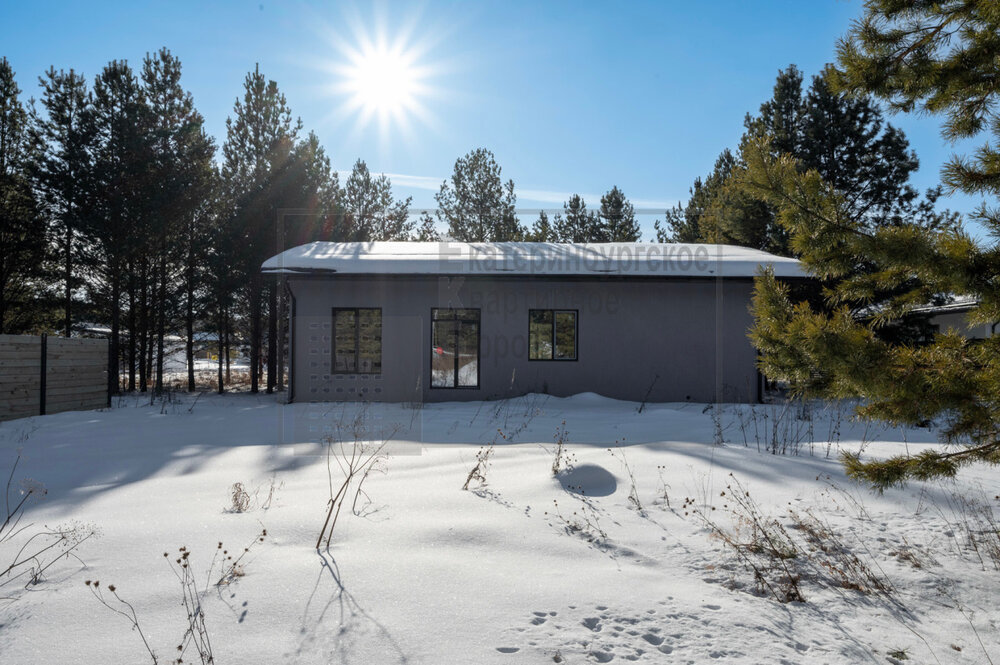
(589, 480)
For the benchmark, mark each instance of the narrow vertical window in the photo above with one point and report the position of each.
(357, 341)
(454, 348)
(552, 334)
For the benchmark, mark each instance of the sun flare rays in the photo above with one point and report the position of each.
(381, 81)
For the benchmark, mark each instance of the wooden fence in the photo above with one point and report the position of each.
(40, 375)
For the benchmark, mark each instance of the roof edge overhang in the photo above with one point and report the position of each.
(595, 277)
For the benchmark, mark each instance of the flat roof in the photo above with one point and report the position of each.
(446, 257)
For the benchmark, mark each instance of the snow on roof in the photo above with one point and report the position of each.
(527, 258)
(954, 304)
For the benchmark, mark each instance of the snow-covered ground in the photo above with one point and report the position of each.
(526, 568)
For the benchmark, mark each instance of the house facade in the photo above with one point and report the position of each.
(447, 321)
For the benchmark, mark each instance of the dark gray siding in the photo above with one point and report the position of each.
(675, 339)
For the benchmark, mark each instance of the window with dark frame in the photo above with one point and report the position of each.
(357, 340)
(552, 334)
(454, 348)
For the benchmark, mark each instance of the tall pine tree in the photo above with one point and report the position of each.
(62, 136)
(372, 213)
(120, 179)
(938, 57)
(542, 230)
(576, 224)
(476, 203)
(181, 157)
(618, 222)
(260, 137)
(22, 234)
(845, 139)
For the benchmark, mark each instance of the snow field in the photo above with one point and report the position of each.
(513, 571)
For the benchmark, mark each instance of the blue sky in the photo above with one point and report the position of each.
(571, 97)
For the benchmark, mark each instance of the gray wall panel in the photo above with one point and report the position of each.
(692, 334)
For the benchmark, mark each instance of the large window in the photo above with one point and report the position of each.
(551, 334)
(454, 348)
(357, 341)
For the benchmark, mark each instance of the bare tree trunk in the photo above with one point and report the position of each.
(229, 374)
(189, 315)
(68, 277)
(143, 328)
(161, 318)
(131, 329)
(114, 344)
(221, 343)
(272, 337)
(255, 333)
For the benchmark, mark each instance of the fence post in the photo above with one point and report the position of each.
(44, 359)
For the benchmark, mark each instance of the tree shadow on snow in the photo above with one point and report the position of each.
(80, 455)
(341, 624)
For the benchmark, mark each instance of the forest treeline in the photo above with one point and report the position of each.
(119, 210)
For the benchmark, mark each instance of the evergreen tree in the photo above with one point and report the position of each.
(62, 138)
(22, 235)
(260, 137)
(371, 211)
(311, 187)
(181, 157)
(476, 203)
(116, 202)
(781, 117)
(937, 57)
(577, 224)
(617, 216)
(845, 139)
(733, 217)
(683, 224)
(542, 230)
(934, 57)
(426, 229)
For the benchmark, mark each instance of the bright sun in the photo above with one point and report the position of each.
(381, 77)
(383, 81)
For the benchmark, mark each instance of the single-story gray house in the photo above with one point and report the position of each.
(444, 321)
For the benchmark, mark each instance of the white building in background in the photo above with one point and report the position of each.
(954, 316)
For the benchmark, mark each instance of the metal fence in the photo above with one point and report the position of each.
(40, 375)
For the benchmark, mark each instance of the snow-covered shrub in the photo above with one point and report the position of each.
(760, 543)
(973, 519)
(478, 472)
(839, 559)
(356, 450)
(26, 552)
(781, 562)
(559, 460)
(583, 522)
(239, 498)
(662, 488)
(633, 493)
(225, 567)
